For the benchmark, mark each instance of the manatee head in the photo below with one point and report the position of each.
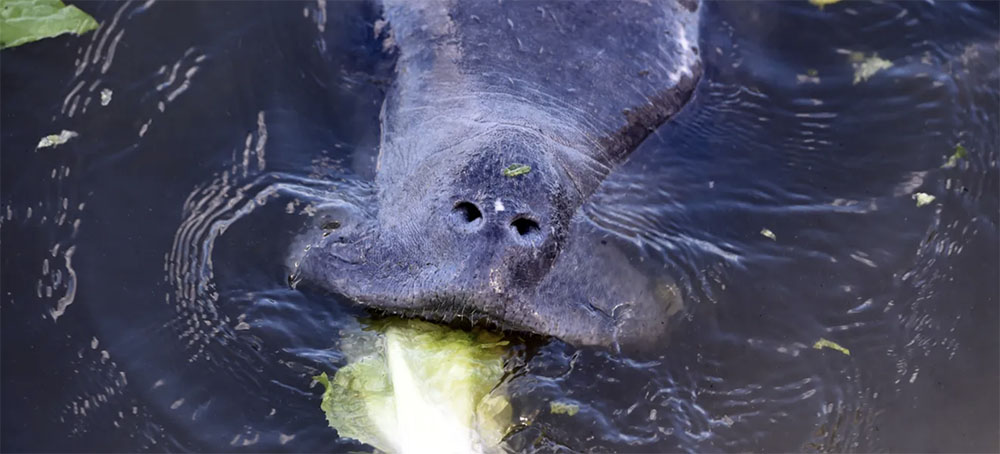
(451, 235)
(470, 231)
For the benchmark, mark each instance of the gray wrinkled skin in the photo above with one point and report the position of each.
(568, 88)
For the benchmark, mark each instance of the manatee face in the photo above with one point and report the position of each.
(458, 237)
(454, 237)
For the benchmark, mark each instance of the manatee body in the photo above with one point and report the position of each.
(568, 89)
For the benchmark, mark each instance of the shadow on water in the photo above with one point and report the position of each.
(145, 298)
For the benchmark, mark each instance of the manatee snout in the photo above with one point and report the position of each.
(461, 236)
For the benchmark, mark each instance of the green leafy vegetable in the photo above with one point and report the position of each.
(923, 198)
(24, 21)
(769, 234)
(420, 386)
(960, 153)
(516, 169)
(826, 343)
(563, 408)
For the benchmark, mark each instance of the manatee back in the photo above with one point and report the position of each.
(615, 69)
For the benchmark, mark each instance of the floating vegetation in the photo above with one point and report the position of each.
(960, 153)
(826, 343)
(105, 97)
(923, 198)
(414, 386)
(563, 408)
(25, 21)
(769, 234)
(54, 140)
(865, 68)
(822, 3)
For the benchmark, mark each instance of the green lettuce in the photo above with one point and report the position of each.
(413, 386)
(24, 21)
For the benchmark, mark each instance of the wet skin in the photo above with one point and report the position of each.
(568, 89)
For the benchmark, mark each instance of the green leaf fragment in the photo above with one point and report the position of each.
(516, 169)
(822, 3)
(24, 21)
(563, 408)
(769, 234)
(865, 68)
(54, 140)
(923, 198)
(826, 343)
(105, 96)
(960, 153)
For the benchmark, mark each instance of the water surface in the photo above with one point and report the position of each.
(145, 303)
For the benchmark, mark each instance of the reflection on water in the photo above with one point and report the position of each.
(146, 303)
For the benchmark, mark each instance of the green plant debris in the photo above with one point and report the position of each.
(105, 96)
(514, 170)
(806, 79)
(960, 153)
(865, 68)
(923, 198)
(54, 140)
(812, 72)
(822, 3)
(24, 21)
(413, 386)
(826, 343)
(769, 234)
(563, 408)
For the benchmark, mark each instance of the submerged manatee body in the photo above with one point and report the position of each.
(568, 89)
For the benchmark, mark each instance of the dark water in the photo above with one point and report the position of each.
(144, 296)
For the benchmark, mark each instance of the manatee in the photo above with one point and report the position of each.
(567, 89)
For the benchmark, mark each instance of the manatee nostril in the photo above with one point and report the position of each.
(468, 212)
(525, 226)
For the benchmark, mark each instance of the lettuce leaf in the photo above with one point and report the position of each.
(420, 387)
(24, 21)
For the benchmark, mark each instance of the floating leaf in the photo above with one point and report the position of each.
(960, 153)
(923, 198)
(24, 21)
(769, 234)
(563, 408)
(822, 3)
(105, 97)
(514, 170)
(54, 140)
(826, 343)
(865, 68)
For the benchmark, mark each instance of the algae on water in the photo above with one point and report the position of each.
(413, 386)
(24, 21)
